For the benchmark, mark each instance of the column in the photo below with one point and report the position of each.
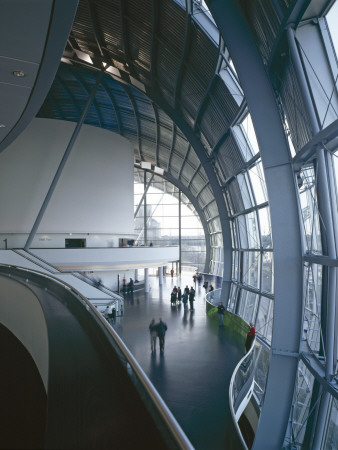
(160, 275)
(146, 280)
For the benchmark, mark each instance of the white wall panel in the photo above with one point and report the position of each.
(94, 193)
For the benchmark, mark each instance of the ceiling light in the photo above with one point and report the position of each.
(19, 73)
(146, 165)
(158, 170)
(2, 125)
(83, 56)
(114, 71)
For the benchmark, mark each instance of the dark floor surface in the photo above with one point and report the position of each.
(194, 372)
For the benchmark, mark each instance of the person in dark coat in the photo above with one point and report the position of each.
(161, 330)
(185, 300)
(131, 286)
(220, 312)
(179, 294)
(191, 297)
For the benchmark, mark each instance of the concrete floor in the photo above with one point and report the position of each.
(194, 372)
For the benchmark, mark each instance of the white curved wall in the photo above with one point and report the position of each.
(93, 195)
(21, 313)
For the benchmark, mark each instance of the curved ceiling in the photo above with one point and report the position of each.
(168, 87)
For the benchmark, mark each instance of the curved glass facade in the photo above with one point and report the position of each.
(165, 216)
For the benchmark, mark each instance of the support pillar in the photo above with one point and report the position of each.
(146, 280)
(160, 275)
(136, 274)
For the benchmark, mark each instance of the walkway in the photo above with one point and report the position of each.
(193, 374)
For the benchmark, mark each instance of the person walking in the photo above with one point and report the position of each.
(161, 330)
(131, 286)
(185, 300)
(153, 335)
(191, 297)
(179, 294)
(173, 297)
(220, 312)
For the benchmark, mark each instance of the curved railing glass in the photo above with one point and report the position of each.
(242, 387)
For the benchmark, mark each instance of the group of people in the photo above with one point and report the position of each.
(157, 330)
(206, 284)
(188, 294)
(197, 277)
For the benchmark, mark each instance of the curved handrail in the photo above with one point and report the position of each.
(213, 297)
(231, 393)
(162, 408)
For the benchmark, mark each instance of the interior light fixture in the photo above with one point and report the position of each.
(83, 56)
(114, 71)
(158, 170)
(146, 165)
(19, 73)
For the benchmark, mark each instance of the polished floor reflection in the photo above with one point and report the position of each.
(193, 373)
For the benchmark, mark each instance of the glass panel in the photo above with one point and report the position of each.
(261, 373)
(250, 307)
(302, 401)
(332, 18)
(312, 314)
(232, 298)
(265, 226)
(258, 183)
(251, 269)
(234, 236)
(243, 235)
(235, 266)
(245, 189)
(249, 130)
(248, 230)
(267, 272)
(264, 318)
(310, 214)
(243, 143)
(331, 437)
(242, 302)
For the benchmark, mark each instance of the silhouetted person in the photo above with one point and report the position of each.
(161, 330)
(191, 297)
(220, 312)
(153, 335)
(131, 286)
(185, 300)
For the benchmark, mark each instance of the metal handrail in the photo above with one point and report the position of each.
(162, 408)
(233, 415)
